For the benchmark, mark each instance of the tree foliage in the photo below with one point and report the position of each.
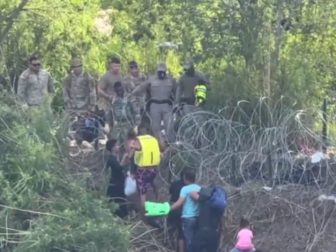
(248, 48)
(42, 207)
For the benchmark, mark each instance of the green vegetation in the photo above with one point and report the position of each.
(42, 207)
(249, 48)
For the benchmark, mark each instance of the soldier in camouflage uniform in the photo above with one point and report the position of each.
(123, 115)
(34, 84)
(79, 90)
(131, 81)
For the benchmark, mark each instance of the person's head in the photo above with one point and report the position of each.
(162, 70)
(133, 68)
(244, 223)
(188, 67)
(34, 63)
(119, 89)
(143, 130)
(189, 176)
(114, 65)
(76, 66)
(112, 146)
(131, 135)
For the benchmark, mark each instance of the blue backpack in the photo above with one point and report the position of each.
(218, 199)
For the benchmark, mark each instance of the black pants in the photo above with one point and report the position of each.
(116, 195)
(205, 240)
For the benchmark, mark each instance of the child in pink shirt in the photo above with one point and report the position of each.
(244, 238)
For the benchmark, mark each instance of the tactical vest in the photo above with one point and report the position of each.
(149, 155)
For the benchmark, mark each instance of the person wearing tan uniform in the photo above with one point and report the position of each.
(79, 89)
(106, 91)
(161, 88)
(34, 84)
(106, 83)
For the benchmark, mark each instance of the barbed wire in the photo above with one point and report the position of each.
(265, 142)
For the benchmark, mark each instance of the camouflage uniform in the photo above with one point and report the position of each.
(139, 100)
(33, 87)
(79, 92)
(123, 115)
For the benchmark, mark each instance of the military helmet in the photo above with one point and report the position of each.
(76, 62)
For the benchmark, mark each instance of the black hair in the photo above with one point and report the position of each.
(244, 223)
(182, 175)
(117, 84)
(114, 60)
(110, 144)
(143, 129)
(131, 134)
(133, 64)
(190, 175)
(33, 57)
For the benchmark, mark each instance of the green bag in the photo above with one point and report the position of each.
(156, 209)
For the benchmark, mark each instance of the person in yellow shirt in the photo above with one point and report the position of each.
(145, 151)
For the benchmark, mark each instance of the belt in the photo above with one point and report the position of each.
(167, 101)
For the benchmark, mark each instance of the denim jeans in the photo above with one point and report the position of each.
(189, 227)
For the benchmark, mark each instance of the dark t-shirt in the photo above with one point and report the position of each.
(117, 174)
(208, 216)
(174, 190)
(174, 217)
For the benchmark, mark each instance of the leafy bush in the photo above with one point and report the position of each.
(42, 207)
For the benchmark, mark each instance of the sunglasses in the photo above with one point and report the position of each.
(36, 65)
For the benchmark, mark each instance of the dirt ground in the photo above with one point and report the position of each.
(286, 218)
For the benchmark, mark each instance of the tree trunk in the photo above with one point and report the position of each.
(11, 19)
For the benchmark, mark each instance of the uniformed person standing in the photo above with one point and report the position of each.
(185, 92)
(79, 89)
(123, 115)
(34, 84)
(106, 88)
(106, 83)
(131, 81)
(161, 88)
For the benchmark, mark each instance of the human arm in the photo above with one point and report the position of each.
(194, 195)
(173, 93)
(93, 97)
(66, 92)
(141, 88)
(50, 84)
(22, 88)
(178, 91)
(102, 84)
(114, 164)
(178, 204)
